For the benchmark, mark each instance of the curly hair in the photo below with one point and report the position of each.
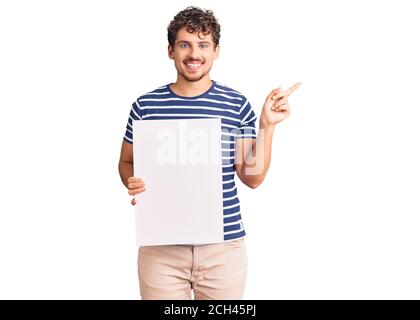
(195, 20)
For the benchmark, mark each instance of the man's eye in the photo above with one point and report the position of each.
(184, 45)
(205, 45)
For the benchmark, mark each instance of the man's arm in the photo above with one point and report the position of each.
(125, 167)
(253, 156)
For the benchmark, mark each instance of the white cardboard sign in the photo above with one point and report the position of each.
(180, 163)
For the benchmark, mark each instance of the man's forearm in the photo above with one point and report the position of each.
(126, 170)
(258, 160)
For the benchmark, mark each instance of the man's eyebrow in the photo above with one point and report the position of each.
(185, 41)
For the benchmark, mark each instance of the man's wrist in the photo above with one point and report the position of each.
(267, 127)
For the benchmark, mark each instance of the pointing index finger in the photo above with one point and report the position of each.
(287, 92)
(294, 87)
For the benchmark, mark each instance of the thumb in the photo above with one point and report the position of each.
(133, 201)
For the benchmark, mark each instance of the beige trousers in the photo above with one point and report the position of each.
(213, 272)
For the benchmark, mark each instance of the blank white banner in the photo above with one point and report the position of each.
(180, 163)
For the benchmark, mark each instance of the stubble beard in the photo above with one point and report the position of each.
(193, 78)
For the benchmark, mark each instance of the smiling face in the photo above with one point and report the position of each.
(193, 54)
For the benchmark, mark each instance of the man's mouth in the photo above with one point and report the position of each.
(193, 66)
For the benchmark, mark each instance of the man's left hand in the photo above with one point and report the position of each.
(276, 107)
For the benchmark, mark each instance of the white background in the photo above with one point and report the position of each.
(338, 214)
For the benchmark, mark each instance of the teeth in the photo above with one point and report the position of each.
(192, 65)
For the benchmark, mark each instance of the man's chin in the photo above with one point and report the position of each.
(193, 78)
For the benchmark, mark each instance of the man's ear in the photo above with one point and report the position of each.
(216, 52)
(170, 52)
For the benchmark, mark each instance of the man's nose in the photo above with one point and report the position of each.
(195, 53)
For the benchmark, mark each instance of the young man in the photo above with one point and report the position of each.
(213, 271)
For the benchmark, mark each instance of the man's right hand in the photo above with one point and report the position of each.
(135, 186)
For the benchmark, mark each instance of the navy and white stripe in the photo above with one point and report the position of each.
(237, 121)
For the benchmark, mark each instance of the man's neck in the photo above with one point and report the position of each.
(191, 88)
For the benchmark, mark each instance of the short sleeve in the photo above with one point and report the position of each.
(135, 114)
(248, 120)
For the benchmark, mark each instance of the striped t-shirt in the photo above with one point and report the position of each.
(237, 121)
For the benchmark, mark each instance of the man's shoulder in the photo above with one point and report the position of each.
(155, 94)
(222, 88)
